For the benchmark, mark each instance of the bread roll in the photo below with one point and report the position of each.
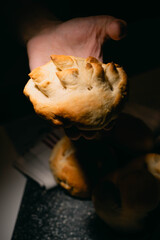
(124, 198)
(68, 170)
(79, 91)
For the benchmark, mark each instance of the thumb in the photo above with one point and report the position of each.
(116, 29)
(110, 28)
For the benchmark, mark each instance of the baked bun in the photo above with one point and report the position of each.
(124, 198)
(68, 170)
(80, 91)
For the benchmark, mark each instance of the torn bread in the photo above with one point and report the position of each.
(83, 92)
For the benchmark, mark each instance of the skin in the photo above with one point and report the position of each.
(81, 37)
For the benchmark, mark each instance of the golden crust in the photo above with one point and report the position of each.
(67, 169)
(62, 62)
(86, 92)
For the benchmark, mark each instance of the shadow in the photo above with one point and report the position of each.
(100, 231)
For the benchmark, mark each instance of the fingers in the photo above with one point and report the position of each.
(74, 133)
(89, 135)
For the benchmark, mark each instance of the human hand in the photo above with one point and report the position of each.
(81, 37)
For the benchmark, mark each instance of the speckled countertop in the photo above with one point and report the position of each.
(54, 215)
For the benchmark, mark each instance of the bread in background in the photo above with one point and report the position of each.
(124, 198)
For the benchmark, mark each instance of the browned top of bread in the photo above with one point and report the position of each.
(82, 91)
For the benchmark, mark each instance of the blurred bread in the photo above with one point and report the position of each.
(68, 170)
(124, 198)
(83, 92)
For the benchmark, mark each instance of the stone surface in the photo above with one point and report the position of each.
(54, 215)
